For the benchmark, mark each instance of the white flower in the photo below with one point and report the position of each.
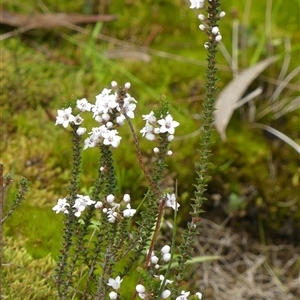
(129, 110)
(199, 295)
(183, 296)
(218, 38)
(64, 117)
(162, 278)
(90, 142)
(170, 152)
(149, 118)
(202, 27)
(147, 131)
(215, 30)
(98, 204)
(115, 283)
(114, 84)
(171, 201)
(166, 257)
(85, 200)
(113, 295)
(77, 120)
(81, 203)
(201, 17)
(83, 105)
(165, 249)
(111, 138)
(140, 288)
(111, 215)
(104, 102)
(222, 14)
(120, 120)
(154, 259)
(61, 206)
(128, 212)
(167, 124)
(197, 3)
(126, 198)
(81, 130)
(110, 198)
(155, 150)
(165, 294)
(170, 137)
(127, 85)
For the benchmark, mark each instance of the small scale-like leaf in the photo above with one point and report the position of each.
(232, 93)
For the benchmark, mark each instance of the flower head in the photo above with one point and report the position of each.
(61, 206)
(183, 295)
(64, 117)
(115, 283)
(167, 124)
(83, 105)
(171, 201)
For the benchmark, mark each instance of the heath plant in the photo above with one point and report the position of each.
(109, 248)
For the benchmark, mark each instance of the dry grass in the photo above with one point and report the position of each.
(247, 269)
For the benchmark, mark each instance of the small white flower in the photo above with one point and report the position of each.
(170, 137)
(83, 105)
(113, 295)
(128, 212)
(202, 27)
(98, 204)
(154, 259)
(166, 257)
(111, 138)
(61, 206)
(199, 295)
(171, 201)
(197, 3)
(90, 142)
(140, 288)
(183, 296)
(162, 278)
(218, 38)
(165, 294)
(114, 84)
(201, 17)
(109, 125)
(149, 118)
(169, 152)
(111, 216)
(81, 130)
(120, 120)
(64, 117)
(167, 124)
(126, 198)
(77, 120)
(222, 14)
(127, 85)
(155, 150)
(110, 198)
(115, 283)
(165, 249)
(215, 30)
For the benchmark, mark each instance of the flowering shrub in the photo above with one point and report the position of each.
(100, 249)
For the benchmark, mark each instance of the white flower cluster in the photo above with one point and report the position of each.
(204, 27)
(109, 110)
(109, 207)
(153, 126)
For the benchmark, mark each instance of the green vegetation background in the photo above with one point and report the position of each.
(254, 175)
